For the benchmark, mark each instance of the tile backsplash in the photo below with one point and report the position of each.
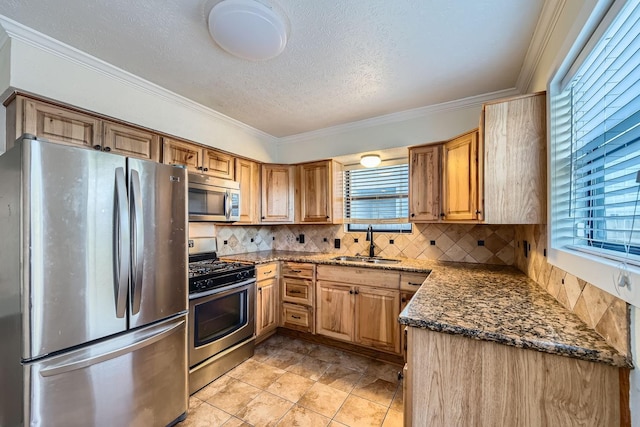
(489, 244)
(600, 310)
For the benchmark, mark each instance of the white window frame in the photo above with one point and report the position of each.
(603, 272)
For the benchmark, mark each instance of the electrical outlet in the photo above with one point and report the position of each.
(336, 243)
(301, 238)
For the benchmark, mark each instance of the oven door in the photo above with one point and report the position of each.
(219, 319)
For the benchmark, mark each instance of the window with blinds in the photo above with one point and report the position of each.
(377, 196)
(596, 145)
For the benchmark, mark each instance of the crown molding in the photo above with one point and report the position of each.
(401, 116)
(17, 31)
(551, 10)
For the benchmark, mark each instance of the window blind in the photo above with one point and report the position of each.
(596, 134)
(377, 195)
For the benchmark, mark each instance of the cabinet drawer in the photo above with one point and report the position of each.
(297, 317)
(298, 291)
(411, 282)
(359, 276)
(266, 271)
(297, 269)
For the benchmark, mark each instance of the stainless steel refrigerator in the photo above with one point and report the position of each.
(93, 288)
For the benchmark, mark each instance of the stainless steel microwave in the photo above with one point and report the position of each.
(213, 199)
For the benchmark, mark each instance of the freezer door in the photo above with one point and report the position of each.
(75, 226)
(157, 195)
(136, 379)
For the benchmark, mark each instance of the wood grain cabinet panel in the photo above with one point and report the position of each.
(460, 178)
(267, 306)
(131, 142)
(176, 152)
(377, 312)
(319, 193)
(217, 164)
(515, 168)
(277, 193)
(424, 183)
(247, 173)
(297, 317)
(58, 124)
(454, 380)
(335, 305)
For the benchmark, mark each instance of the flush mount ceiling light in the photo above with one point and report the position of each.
(370, 160)
(247, 29)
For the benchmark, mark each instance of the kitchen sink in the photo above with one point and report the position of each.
(373, 260)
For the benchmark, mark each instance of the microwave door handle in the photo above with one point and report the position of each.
(227, 204)
(137, 243)
(121, 240)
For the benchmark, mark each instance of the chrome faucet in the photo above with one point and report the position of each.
(370, 240)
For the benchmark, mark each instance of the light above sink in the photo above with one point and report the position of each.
(369, 260)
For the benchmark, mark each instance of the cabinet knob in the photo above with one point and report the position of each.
(107, 149)
(263, 217)
(351, 291)
(206, 169)
(356, 292)
(199, 168)
(442, 215)
(412, 215)
(404, 299)
(97, 147)
(327, 216)
(260, 289)
(478, 212)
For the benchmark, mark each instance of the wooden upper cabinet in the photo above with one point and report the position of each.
(277, 193)
(460, 178)
(218, 164)
(181, 153)
(198, 158)
(424, 183)
(128, 141)
(318, 199)
(247, 173)
(515, 169)
(56, 124)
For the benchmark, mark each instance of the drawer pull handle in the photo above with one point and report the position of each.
(268, 272)
(296, 317)
(414, 284)
(295, 292)
(296, 271)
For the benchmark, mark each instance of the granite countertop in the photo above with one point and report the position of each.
(484, 302)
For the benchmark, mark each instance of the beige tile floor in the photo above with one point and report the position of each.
(290, 382)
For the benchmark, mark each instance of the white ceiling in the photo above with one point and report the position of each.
(346, 60)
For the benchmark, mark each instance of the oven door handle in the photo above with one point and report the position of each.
(222, 290)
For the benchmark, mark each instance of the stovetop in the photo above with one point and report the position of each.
(207, 272)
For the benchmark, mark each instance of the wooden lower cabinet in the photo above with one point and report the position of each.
(360, 314)
(335, 310)
(377, 312)
(452, 380)
(298, 317)
(267, 304)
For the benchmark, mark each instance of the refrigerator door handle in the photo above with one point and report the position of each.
(137, 242)
(121, 242)
(153, 336)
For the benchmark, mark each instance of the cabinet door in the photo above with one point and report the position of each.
(267, 309)
(315, 192)
(215, 163)
(131, 142)
(297, 291)
(335, 310)
(247, 173)
(181, 153)
(377, 312)
(277, 193)
(515, 169)
(424, 183)
(58, 124)
(460, 178)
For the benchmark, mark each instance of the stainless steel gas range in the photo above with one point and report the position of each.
(221, 313)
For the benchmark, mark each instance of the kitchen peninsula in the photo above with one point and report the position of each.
(491, 340)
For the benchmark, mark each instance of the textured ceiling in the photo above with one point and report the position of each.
(346, 60)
